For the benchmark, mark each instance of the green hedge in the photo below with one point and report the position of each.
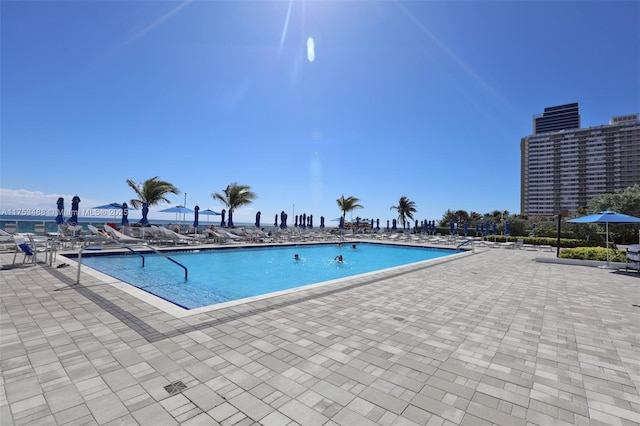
(594, 253)
(546, 241)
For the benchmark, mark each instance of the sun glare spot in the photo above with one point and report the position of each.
(311, 49)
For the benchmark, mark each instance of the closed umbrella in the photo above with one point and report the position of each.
(341, 224)
(145, 211)
(606, 217)
(321, 221)
(310, 221)
(258, 220)
(125, 215)
(222, 222)
(60, 216)
(394, 225)
(451, 225)
(466, 227)
(75, 202)
(196, 214)
(230, 221)
(507, 228)
(275, 222)
(377, 224)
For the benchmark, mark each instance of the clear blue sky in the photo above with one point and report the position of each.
(427, 100)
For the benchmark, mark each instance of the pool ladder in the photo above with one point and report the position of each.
(186, 271)
(473, 247)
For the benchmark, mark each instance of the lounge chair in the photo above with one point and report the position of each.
(232, 236)
(175, 237)
(6, 241)
(24, 248)
(120, 237)
(11, 228)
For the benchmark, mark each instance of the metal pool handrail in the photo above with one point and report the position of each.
(186, 271)
(467, 242)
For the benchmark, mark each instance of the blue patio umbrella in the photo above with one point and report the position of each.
(487, 228)
(303, 220)
(177, 210)
(357, 223)
(466, 228)
(321, 221)
(451, 225)
(196, 214)
(60, 206)
(495, 229)
(283, 220)
(295, 218)
(606, 217)
(125, 215)
(387, 224)
(222, 222)
(75, 202)
(416, 227)
(477, 229)
(310, 221)
(209, 212)
(145, 212)
(341, 224)
(507, 228)
(110, 206)
(394, 225)
(230, 220)
(258, 220)
(275, 222)
(377, 224)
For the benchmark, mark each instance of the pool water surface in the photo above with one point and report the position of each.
(222, 275)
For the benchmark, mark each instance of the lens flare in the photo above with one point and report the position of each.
(311, 49)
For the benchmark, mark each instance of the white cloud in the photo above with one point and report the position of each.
(25, 202)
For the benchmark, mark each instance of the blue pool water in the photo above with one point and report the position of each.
(217, 276)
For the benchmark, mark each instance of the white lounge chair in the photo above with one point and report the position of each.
(24, 248)
(175, 237)
(119, 236)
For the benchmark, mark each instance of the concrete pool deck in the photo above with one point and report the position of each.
(491, 338)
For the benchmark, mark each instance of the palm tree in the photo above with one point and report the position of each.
(348, 204)
(406, 208)
(151, 191)
(235, 196)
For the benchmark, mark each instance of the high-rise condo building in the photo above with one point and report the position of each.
(561, 117)
(564, 166)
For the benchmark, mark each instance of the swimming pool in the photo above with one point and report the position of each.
(222, 275)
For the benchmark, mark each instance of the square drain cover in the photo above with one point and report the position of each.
(175, 387)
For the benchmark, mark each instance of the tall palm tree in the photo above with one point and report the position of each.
(235, 196)
(348, 204)
(151, 191)
(405, 208)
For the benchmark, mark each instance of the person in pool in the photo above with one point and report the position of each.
(353, 246)
(338, 258)
(296, 257)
